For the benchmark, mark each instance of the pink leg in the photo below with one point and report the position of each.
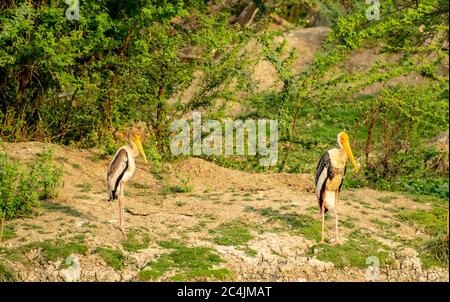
(121, 207)
(336, 216)
(322, 210)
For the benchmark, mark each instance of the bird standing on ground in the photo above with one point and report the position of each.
(122, 168)
(330, 174)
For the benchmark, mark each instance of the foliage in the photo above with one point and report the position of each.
(21, 187)
(77, 81)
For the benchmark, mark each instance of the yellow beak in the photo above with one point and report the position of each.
(349, 152)
(141, 149)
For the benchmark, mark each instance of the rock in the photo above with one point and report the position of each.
(319, 265)
(73, 272)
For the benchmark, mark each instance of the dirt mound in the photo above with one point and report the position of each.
(204, 174)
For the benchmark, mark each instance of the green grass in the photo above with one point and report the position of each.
(431, 221)
(113, 258)
(349, 223)
(82, 197)
(184, 187)
(185, 263)
(85, 187)
(250, 252)
(299, 223)
(50, 250)
(433, 252)
(9, 232)
(384, 225)
(136, 240)
(6, 274)
(53, 250)
(387, 199)
(231, 233)
(180, 203)
(59, 207)
(23, 186)
(76, 166)
(353, 252)
(140, 186)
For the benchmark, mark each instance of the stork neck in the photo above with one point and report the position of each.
(134, 148)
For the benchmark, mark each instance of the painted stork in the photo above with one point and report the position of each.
(122, 168)
(330, 174)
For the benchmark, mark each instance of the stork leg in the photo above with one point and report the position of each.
(322, 210)
(336, 216)
(121, 208)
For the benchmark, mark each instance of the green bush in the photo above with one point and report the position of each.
(22, 186)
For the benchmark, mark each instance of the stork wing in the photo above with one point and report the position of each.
(116, 171)
(342, 181)
(322, 174)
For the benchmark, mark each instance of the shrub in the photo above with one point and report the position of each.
(22, 186)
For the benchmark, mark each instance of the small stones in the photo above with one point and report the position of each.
(320, 265)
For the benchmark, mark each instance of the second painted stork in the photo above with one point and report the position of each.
(330, 174)
(122, 168)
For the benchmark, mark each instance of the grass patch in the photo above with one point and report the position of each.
(50, 250)
(6, 274)
(349, 223)
(85, 187)
(76, 166)
(231, 233)
(59, 207)
(383, 225)
(250, 252)
(140, 186)
(180, 203)
(53, 250)
(299, 223)
(434, 252)
(387, 199)
(353, 252)
(9, 232)
(113, 258)
(184, 187)
(431, 221)
(136, 240)
(185, 263)
(83, 197)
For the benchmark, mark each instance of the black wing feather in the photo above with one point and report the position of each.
(324, 162)
(342, 181)
(115, 168)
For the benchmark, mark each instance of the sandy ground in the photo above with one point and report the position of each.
(218, 195)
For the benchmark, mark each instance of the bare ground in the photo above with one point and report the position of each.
(218, 195)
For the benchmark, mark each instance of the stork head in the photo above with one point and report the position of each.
(134, 135)
(344, 142)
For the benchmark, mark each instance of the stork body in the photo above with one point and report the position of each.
(330, 175)
(121, 169)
